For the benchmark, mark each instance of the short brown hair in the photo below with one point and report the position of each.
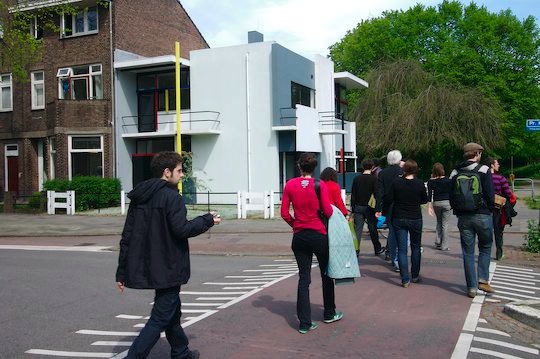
(163, 160)
(438, 170)
(410, 168)
(307, 162)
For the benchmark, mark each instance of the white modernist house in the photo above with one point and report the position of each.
(248, 111)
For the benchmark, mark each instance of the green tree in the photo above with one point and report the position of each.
(407, 108)
(494, 54)
(19, 47)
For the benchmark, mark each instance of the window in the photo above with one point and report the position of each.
(38, 90)
(85, 156)
(80, 83)
(6, 93)
(35, 30)
(84, 22)
(301, 95)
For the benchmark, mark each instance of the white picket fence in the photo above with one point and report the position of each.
(255, 201)
(67, 202)
(246, 202)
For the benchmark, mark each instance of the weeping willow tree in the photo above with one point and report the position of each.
(406, 108)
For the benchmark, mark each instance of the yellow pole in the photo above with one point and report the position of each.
(177, 93)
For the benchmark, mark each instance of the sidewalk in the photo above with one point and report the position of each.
(232, 236)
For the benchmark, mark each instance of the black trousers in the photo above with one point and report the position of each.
(498, 233)
(305, 244)
(165, 317)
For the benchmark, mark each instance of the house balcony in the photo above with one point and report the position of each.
(164, 124)
(327, 122)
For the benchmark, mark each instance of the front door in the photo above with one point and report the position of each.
(13, 174)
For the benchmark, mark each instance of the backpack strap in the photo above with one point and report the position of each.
(317, 186)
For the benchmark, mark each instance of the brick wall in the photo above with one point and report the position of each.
(150, 28)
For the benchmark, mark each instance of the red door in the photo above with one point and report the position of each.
(13, 173)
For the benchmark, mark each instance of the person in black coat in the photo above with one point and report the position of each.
(154, 253)
(384, 202)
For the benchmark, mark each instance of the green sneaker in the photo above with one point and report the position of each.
(335, 318)
(313, 326)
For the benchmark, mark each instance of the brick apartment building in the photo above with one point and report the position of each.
(60, 123)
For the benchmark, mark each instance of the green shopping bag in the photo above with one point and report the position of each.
(355, 240)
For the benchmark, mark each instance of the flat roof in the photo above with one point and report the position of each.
(349, 81)
(149, 62)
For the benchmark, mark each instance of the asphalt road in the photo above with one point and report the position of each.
(58, 303)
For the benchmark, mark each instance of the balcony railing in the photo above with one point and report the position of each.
(192, 122)
(329, 122)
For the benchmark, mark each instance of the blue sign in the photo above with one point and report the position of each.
(533, 125)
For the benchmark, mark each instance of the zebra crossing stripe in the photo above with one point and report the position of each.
(58, 353)
(507, 345)
(493, 353)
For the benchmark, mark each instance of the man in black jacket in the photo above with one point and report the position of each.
(384, 203)
(154, 253)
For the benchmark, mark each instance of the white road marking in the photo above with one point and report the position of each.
(517, 268)
(528, 273)
(105, 332)
(507, 345)
(112, 344)
(493, 353)
(492, 331)
(56, 248)
(58, 353)
(513, 289)
(511, 284)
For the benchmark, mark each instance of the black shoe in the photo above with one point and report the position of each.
(380, 251)
(193, 354)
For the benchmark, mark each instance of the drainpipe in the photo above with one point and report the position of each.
(248, 123)
(113, 79)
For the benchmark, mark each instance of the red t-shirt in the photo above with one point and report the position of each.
(300, 192)
(334, 193)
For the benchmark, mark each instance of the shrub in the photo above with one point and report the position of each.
(533, 236)
(37, 200)
(90, 191)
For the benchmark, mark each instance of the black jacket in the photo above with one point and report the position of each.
(384, 186)
(154, 250)
(488, 193)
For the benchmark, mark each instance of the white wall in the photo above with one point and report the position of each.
(235, 81)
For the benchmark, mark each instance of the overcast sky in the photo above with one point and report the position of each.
(308, 27)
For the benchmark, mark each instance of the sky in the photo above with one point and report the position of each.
(309, 27)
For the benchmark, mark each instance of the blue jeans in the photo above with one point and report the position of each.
(470, 226)
(165, 316)
(304, 244)
(406, 229)
(391, 244)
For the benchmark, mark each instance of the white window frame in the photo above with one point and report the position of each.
(66, 18)
(36, 83)
(89, 150)
(4, 85)
(94, 70)
(34, 29)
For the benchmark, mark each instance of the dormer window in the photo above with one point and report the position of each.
(85, 22)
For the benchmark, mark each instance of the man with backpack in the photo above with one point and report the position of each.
(472, 200)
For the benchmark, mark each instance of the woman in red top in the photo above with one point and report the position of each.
(310, 237)
(329, 176)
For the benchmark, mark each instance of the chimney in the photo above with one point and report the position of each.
(255, 36)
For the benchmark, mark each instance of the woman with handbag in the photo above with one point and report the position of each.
(309, 237)
(502, 189)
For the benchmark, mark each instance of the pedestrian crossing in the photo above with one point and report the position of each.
(196, 306)
(479, 339)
